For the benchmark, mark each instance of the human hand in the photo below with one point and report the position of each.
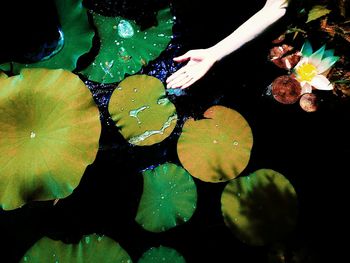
(199, 63)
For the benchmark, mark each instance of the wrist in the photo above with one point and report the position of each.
(215, 53)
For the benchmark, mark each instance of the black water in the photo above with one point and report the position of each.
(310, 149)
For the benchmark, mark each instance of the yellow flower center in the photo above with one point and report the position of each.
(306, 72)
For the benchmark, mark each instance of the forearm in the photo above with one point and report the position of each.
(259, 22)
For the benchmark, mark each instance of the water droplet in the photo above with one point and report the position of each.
(235, 143)
(25, 259)
(216, 125)
(135, 90)
(144, 37)
(125, 29)
(134, 113)
(215, 141)
(162, 197)
(114, 27)
(32, 135)
(119, 88)
(122, 109)
(87, 240)
(99, 239)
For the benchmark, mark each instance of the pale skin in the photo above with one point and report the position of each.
(200, 61)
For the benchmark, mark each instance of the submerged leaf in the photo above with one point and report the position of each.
(90, 249)
(142, 111)
(125, 48)
(76, 38)
(260, 208)
(169, 198)
(160, 255)
(316, 12)
(50, 130)
(217, 148)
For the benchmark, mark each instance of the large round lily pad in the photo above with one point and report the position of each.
(217, 148)
(141, 110)
(160, 255)
(90, 249)
(76, 38)
(169, 198)
(125, 48)
(260, 208)
(50, 131)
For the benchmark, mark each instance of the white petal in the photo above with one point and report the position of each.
(326, 63)
(305, 87)
(321, 82)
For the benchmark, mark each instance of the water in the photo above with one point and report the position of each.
(311, 150)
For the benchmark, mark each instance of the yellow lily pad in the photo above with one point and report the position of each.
(50, 131)
(141, 110)
(90, 249)
(217, 148)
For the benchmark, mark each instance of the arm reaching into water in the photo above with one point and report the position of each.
(201, 60)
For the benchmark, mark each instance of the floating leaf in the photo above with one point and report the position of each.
(309, 102)
(316, 12)
(286, 89)
(90, 249)
(142, 111)
(169, 198)
(76, 38)
(215, 149)
(2, 75)
(125, 48)
(260, 208)
(50, 130)
(160, 255)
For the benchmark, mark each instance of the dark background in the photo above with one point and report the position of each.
(310, 149)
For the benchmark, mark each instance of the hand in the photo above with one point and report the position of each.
(199, 63)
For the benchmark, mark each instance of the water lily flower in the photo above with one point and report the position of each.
(309, 70)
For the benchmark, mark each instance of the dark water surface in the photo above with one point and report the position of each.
(310, 149)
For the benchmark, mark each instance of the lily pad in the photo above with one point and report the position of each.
(76, 38)
(217, 148)
(90, 249)
(50, 131)
(141, 110)
(169, 198)
(125, 48)
(260, 208)
(161, 254)
(2, 75)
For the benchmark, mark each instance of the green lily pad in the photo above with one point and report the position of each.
(141, 110)
(125, 48)
(50, 131)
(260, 208)
(90, 249)
(160, 255)
(169, 198)
(217, 148)
(76, 38)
